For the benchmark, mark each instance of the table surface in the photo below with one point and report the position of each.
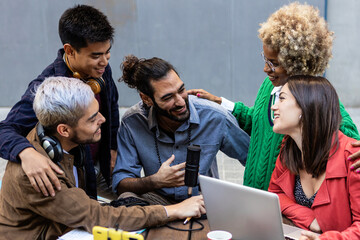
(165, 232)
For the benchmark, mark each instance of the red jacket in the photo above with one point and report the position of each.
(337, 203)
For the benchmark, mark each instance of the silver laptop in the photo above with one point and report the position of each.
(247, 213)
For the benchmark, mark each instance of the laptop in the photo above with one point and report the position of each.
(245, 212)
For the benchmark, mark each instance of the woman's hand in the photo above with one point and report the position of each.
(355, 156)
(307, 235)
(201, 93)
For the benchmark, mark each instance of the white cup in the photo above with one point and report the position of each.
(219, 235)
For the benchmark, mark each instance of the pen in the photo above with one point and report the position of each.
(187, 220)
(189, 191)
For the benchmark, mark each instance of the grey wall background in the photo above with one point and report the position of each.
(344, 70)
(212, 43)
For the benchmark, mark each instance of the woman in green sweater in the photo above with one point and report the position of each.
(296, 41)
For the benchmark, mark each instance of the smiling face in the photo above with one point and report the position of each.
(279, 76)
(171, 98)
(89, 61)
(287, 114)
(88, 129)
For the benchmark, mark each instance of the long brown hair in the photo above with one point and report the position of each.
(320, 123)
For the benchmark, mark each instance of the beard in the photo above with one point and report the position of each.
(182, 118)
(77, 140)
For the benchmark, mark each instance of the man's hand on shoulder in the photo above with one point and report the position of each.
(169, 176)
(40, 171)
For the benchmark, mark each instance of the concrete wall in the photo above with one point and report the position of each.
(212, 43)
(344, 71)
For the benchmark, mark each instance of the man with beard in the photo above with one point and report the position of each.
(155, 133)
(68, 114)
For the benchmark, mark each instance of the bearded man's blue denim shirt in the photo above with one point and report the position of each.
(213, 128)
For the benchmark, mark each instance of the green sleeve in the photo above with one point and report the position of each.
(243, 115)
(347, 126)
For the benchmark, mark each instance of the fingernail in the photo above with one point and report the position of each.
(358, 170)
(53, 194)
(198, 94)
(352, 168)
(349, 158)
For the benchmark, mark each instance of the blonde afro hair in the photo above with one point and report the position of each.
(301, 37)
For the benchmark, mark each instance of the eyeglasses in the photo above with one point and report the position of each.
(270, 64)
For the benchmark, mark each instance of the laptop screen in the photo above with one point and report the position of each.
(247, 213)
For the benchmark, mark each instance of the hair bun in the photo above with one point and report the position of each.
(128, 67)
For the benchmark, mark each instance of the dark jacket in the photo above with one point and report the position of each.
(21, 119)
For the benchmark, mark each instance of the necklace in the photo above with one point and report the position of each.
(157, 147)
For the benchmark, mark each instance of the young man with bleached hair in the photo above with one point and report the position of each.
(69, 117)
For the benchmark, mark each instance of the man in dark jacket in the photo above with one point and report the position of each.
(87, 36)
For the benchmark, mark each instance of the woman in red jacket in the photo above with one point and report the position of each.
(312, 176)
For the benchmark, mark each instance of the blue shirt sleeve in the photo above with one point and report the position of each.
(127, 161)
(235, 142)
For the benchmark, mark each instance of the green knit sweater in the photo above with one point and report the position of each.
(264, 143)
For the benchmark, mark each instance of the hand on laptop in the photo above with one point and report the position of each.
(307, 235)
(191, 207)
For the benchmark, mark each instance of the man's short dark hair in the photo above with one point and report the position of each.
(84, 24)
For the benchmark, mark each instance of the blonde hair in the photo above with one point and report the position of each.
(61, 100)
(301, 37)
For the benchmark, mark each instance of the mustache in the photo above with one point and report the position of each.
(176, 108)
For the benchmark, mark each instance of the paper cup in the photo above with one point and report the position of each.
(219, 235)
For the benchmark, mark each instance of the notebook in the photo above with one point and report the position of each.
(247, 213)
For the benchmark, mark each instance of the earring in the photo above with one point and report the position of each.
(300, 116)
